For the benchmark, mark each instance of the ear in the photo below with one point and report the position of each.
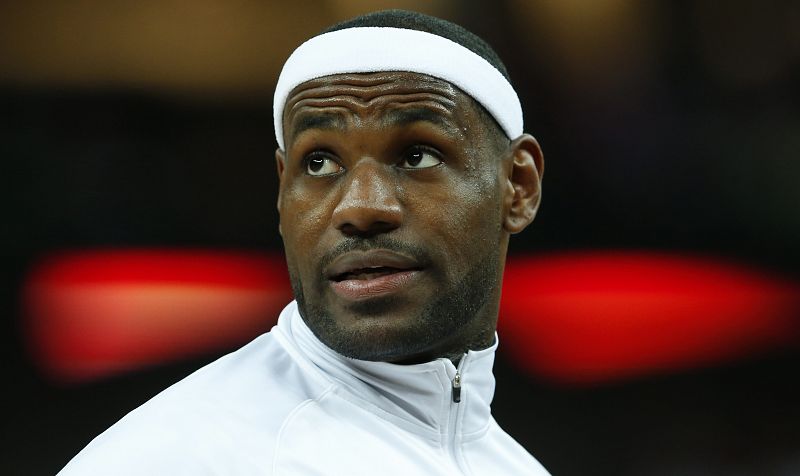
(524, 183)
(280, 163)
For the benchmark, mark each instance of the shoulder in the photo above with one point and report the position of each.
(225, 415)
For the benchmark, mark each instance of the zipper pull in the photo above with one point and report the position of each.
(457, 387)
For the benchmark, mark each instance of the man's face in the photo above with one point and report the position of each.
(391, 202)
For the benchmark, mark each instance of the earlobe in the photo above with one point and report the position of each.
(524, 183)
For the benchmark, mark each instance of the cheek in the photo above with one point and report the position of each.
(303, 221)
(464, 222)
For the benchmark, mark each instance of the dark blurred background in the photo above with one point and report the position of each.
(667, 126)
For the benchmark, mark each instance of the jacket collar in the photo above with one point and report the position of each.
(418, 397)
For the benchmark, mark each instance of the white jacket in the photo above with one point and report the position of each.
(286, 404)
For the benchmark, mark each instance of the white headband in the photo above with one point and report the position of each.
(371, 49)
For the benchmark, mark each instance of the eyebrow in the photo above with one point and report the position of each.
(404, 117)
(305, 122)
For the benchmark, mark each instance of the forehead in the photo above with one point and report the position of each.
(377, 96)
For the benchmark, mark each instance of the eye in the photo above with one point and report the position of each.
(420, 157)
(320, 164)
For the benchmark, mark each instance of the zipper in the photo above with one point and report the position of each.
(456, 382)
(457, 393)
(457, 387)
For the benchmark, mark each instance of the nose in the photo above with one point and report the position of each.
(368, 204)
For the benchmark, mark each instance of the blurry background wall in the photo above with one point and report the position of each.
(671, 131)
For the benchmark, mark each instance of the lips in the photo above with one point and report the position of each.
(364, 274)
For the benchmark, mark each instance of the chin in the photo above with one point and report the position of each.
(388, 336)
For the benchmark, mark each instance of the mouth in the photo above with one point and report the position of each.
(362, 275)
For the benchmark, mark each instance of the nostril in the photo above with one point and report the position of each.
(367, 230)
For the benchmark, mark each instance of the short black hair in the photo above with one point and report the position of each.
(421, 22)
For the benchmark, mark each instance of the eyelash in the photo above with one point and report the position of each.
(424, 148)
(318, 154)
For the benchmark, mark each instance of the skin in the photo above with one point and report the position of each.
(407, 163)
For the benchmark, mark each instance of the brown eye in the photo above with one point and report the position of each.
(420, 158)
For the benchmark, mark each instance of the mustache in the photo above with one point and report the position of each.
(382, 242)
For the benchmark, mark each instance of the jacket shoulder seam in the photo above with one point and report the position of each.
(289, 419)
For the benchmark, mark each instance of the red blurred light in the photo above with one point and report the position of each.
(96, 313)
(590, 317)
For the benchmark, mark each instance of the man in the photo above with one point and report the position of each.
(403, 170)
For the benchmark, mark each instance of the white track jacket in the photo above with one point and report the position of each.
(286, 404)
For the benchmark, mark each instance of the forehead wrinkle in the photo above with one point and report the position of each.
(377, 79)
(432, 101)
(337, 104)
(405, 114)
(400, 109)
(368, 94)
(424, 98)
(370, 86)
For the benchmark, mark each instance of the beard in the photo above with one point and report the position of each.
(445, 318)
